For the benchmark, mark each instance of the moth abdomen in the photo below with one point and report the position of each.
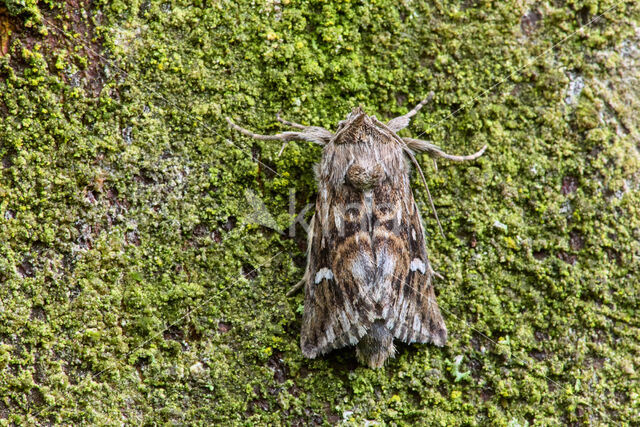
(377, 346)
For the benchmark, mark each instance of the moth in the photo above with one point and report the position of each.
(368, 279)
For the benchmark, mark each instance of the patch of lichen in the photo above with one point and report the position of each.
(136, 290)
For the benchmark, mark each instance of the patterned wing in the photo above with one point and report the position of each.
(337, 308)
(404, 293)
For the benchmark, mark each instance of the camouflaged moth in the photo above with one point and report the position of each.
(368, 280)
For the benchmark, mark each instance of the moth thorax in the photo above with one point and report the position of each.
(364, 178)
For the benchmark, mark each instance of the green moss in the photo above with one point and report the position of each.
(135, 289)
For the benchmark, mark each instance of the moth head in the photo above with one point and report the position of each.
(356, 128)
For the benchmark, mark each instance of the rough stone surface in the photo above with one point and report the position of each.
(127, 257)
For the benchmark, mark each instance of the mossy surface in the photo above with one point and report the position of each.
(135, 288)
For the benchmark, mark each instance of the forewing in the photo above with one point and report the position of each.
(404, 292)
(337, 308)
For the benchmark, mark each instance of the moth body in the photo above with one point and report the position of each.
(367, 233)
(368, 279)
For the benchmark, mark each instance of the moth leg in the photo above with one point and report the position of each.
(297, 287)
(419, 145)
(288, 123)
(402, 122)
(292, 124)
(435, 273)
(315, 134)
